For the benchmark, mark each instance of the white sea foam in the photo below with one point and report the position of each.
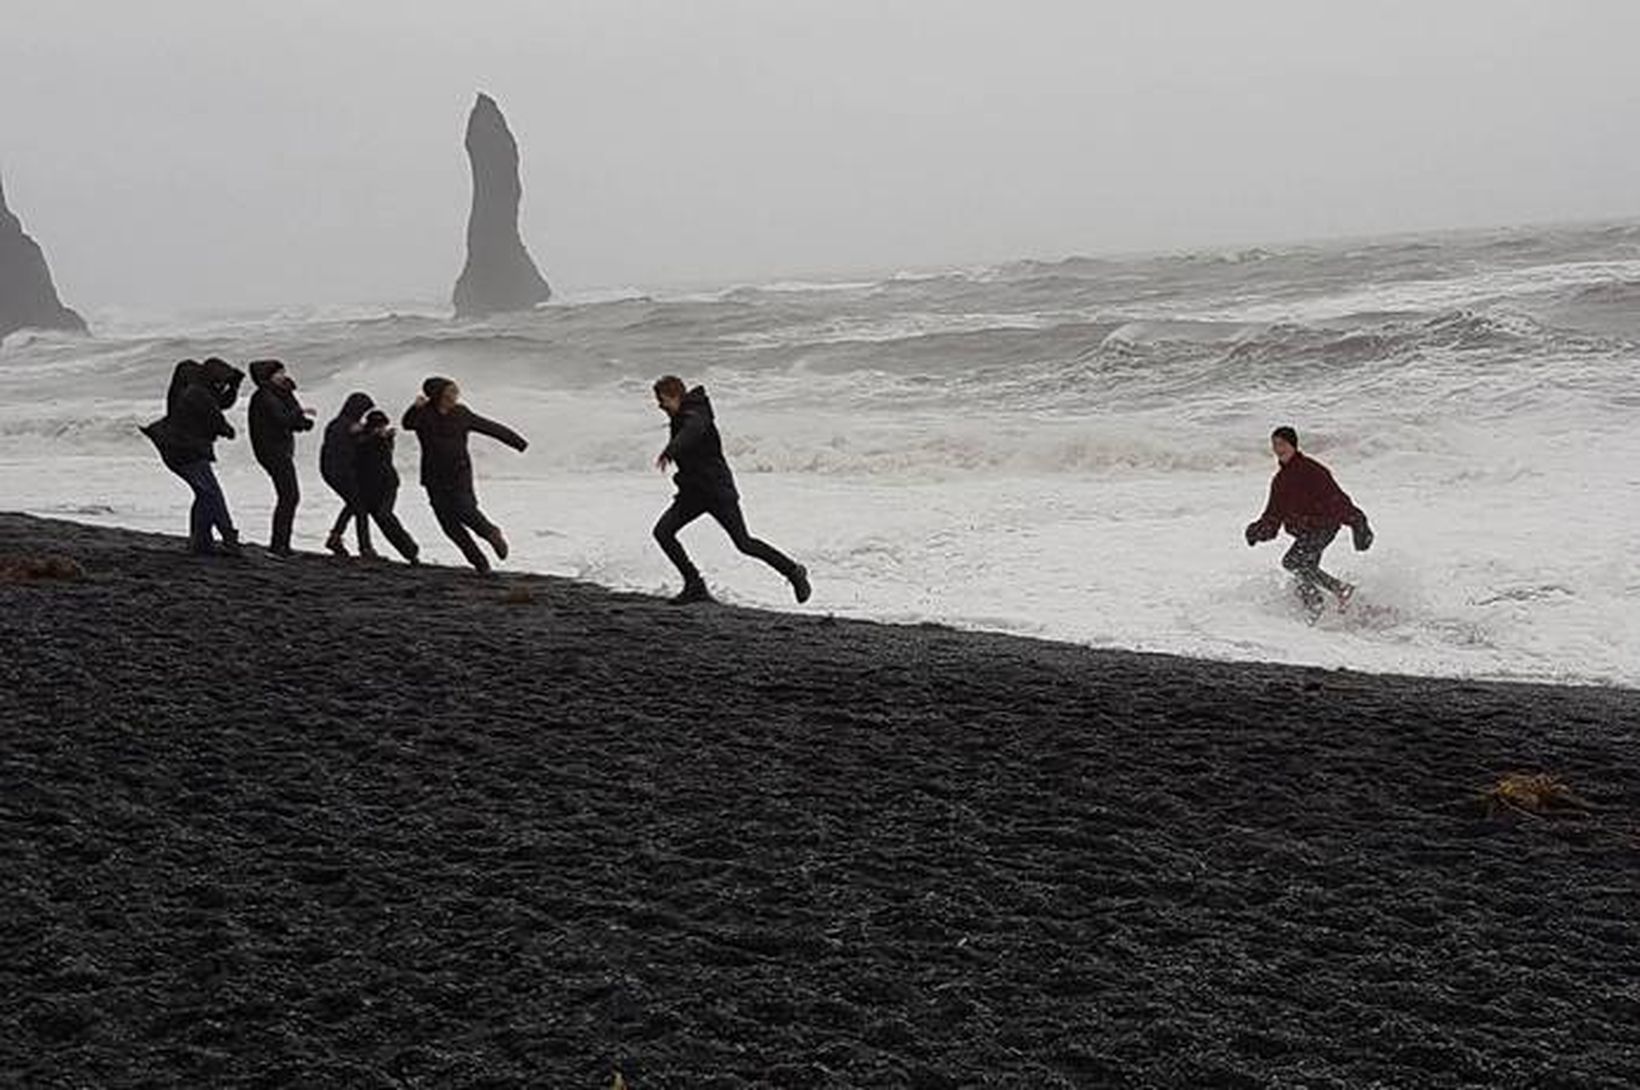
(1068, 450)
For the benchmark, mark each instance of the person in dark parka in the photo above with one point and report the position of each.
(442, 424)
(186, 440)
(378, 482)
(338, 461)
(275, 417)
(706, 486)
(1307, 502)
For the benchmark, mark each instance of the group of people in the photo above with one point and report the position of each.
(356, 461)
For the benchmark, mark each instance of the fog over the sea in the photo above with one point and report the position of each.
(181, 153)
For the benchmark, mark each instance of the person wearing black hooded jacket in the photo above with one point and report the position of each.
(338, 462)
(275, 417)
(186, 440)
(706, 486)
(377, 482)
(442, 424)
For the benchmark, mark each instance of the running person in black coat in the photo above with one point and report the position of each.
(377, 482)
(442, 424)
(706, 487)
(275, 418)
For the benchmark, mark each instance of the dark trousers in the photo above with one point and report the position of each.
(1304, 561)
(457, 512)
(381, 509)
(210, 508)
(353, 511)
(287, 494)
(686, 508)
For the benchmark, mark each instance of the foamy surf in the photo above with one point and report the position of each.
(1063, 449)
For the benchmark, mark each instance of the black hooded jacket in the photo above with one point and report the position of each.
(275, 416)
(193, 419)
(697, 450)
(374, 468)
(338, 456)
(446, 466)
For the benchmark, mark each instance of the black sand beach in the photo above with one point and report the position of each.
(327, 824)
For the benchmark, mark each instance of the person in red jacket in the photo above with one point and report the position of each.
(1307, 502)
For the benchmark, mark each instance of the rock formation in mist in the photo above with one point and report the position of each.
(28, 298)
(500, 274)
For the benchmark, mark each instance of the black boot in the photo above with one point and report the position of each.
(694, 590)
(230, 544)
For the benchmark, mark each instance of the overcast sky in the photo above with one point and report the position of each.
(179, 153)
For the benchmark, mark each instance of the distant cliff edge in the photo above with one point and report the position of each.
(28, 298)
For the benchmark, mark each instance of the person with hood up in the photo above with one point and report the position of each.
(186, 440)
(1309, 505)
(275, 417)
(378, 482)
(442, 424)
(338, 461)
(706, 487)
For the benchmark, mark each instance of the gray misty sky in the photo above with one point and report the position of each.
(183, 153)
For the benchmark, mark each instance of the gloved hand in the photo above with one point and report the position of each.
(228, 432)
(1255, 533)
(1363, 536)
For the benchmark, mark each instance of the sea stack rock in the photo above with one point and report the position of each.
(28, 298)
(500, 274)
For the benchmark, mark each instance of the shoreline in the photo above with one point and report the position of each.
(331, 824)
(256, 555)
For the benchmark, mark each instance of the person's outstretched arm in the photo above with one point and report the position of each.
(1267, 525)
(1339, 504)
(486, 426)
(1341, 507)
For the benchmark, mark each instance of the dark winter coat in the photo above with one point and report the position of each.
(446, 466)
(338, 455)
(373, 469)
(193, 419)
(1304, 498)
(275, 416)
(697, 450)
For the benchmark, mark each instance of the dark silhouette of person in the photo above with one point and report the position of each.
(338, 461)
(186, 440)
(442, 424)
(1309, 505)
(275, 417)
(706, 486)
(377, 482)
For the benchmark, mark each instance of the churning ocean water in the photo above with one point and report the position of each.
(1066, 449)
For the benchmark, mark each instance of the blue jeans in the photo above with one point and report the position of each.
(210, 507)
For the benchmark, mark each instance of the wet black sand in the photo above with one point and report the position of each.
(319, 824)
